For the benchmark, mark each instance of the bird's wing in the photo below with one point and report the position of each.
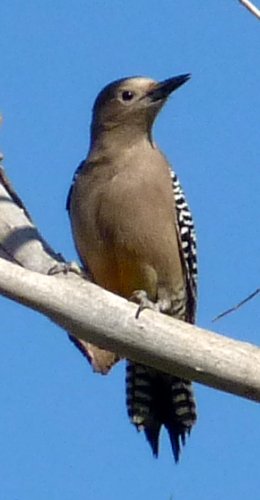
(100, 359)
(187, 242)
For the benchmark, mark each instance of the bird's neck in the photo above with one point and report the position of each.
(123, 136)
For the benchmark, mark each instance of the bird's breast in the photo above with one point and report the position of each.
(124, 228)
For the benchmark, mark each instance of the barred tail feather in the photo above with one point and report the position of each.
(155, 399)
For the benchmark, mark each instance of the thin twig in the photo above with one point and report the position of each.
(251, 7)
(237, 306)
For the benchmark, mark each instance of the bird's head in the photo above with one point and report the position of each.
(132, 102)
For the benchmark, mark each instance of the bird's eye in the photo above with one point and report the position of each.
(127, 95)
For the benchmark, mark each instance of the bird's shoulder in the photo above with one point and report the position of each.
(74, 178)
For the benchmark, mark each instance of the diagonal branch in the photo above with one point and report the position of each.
(94, 315)
(251, 7)
(98, 316)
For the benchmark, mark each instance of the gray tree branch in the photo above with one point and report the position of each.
(94, 315)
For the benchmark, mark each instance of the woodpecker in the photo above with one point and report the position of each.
(134, 233)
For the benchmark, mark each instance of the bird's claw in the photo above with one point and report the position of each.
(140, 298)
(65, 268)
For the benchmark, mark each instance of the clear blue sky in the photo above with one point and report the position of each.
(64, 431)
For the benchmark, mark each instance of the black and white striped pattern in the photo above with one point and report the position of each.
(187, 235)
(154, 399)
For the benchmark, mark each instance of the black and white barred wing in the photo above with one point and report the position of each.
(188, 247)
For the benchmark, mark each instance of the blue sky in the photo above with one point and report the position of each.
(64, 431)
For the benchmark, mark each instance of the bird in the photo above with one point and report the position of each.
(134, 233)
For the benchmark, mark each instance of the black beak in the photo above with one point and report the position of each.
(163, 89)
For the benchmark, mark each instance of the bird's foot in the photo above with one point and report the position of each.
(65, 268)
(140, 298)
(163, 304)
